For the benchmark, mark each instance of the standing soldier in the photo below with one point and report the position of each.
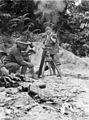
(52, 47)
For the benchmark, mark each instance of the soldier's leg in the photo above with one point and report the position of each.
(31, 69)
(32, 73)
(52, 65)
(23, 70)
(57, 64)
(12, 67)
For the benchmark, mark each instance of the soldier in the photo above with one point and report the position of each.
(52, 46)
(15, 59)
(3, 70)
(25, 54)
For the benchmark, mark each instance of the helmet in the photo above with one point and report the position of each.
(21, 40)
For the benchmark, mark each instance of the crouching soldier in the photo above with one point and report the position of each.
(15, 59)
(26, 53)
(52, 47)
(3, 70)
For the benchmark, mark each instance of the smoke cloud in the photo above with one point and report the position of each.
(51, 5)
(50, 9)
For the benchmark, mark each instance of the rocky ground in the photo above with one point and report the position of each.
(65, 98)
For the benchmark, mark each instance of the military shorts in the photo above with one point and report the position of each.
(55, 58)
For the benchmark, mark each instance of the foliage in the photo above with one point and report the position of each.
(71, 25)
(75, 28)
(16, 15)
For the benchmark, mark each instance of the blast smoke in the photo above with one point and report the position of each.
(52, 5)
(50, 9)
(78, 2)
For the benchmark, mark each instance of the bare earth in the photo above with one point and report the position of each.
(67, 98)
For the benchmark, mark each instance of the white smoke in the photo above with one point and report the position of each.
(51, 5)
(50, 8)
(78, 2)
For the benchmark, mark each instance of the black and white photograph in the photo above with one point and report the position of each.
(44, 59)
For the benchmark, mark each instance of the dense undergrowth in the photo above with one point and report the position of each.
(71, 22)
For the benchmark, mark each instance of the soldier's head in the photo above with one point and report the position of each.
(48, 30)
(22, 43)
(7, 41)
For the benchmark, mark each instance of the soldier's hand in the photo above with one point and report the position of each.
(30, 65)
(24, 53)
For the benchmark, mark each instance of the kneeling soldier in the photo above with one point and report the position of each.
(15, 59)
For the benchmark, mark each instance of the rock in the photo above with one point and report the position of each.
(24, 84)
(40, 95)
(34, 90)
(23, 87)
(2, 89)
(40, 84)
(12, 91)
(8, 111)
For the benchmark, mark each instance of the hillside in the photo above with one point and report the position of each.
(63, 98)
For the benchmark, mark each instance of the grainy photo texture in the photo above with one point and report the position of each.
(44, 60)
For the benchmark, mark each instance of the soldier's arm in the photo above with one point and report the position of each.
(54, 38)
(20, 59)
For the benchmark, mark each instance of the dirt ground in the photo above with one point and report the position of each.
(65, 98)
